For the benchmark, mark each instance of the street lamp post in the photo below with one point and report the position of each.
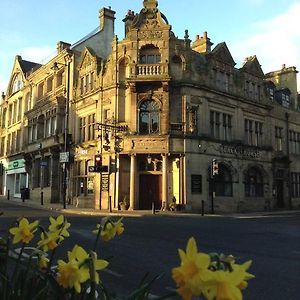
(65, 157)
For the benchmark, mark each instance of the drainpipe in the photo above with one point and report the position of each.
(289, 183)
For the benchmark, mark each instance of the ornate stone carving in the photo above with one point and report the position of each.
(150, 34)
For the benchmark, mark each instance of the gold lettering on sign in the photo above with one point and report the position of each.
(159, 145)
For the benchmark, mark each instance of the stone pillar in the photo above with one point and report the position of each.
(165, 172)
(132, 181)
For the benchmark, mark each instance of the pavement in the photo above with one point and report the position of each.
(72, 209)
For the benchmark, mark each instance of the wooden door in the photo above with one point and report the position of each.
(150, 191)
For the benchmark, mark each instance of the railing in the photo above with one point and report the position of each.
(151, 69)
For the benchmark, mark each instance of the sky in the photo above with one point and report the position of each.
(269, 29)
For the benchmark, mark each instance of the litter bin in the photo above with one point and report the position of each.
(25, 193)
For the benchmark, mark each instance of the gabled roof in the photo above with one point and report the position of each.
(27, 66)
(252, 66)
(222, 54)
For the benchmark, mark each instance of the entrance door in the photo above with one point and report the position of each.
(149, 191)
(279, 193)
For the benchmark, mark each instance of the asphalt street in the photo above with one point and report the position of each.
(150, 243)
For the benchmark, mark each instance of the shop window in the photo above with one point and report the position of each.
(254, 183)
(149, 117)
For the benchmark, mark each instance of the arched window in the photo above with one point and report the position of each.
(149, 117)
(254, 183)
(150, 54)
(17, 83)
(223, 181)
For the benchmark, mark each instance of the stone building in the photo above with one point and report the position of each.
(174, 120)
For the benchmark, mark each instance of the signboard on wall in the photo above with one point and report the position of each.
(16, 164)
(196, 182)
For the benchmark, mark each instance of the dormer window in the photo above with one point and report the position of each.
(271, 93)
(150, 54)
(285, 100)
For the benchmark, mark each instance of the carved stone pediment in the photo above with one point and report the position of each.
(150, 18)
(87, 60)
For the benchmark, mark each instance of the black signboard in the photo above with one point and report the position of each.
(196, 184)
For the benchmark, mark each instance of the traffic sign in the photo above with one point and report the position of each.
(64, 157)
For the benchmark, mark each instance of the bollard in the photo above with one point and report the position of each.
(42, 198)
(153, 208)
(202, 207)
(23, 195)
(8, 194)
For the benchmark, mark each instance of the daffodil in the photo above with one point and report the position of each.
(191, 275)
(109, 229)
(24, 231)
(119, 226)
(60, 225)
(43, 262)
(69, 275)
(49, 241)
(77, 270)
(83, 259)
(227, 285)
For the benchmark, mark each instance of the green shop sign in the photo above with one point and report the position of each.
(16, 164)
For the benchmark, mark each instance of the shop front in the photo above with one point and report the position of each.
(16, 177)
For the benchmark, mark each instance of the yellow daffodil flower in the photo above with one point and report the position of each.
(78, 264)
(191, 275)
(79, 255)
(119, 226)
(49, 241)
(24, 231)
(108, 232)
(43, 262)
(227, 285)
(69, 275)
(59, 224)
(110, 229)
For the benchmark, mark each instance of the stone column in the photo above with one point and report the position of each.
(132, 181)
(165, 162)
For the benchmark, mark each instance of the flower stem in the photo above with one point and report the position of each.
(17, 263)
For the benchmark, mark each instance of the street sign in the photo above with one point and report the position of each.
(98, 169)
(105, 183)
(43, 163)
(64, 157)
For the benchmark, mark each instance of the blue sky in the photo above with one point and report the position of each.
(268, 28)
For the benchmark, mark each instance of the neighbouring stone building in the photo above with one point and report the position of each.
(159, 110)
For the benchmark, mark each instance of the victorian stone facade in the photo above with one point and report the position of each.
(159, 110)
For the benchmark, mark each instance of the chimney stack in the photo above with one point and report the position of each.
(202, 44)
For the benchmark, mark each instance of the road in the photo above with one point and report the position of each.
(150, 243)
